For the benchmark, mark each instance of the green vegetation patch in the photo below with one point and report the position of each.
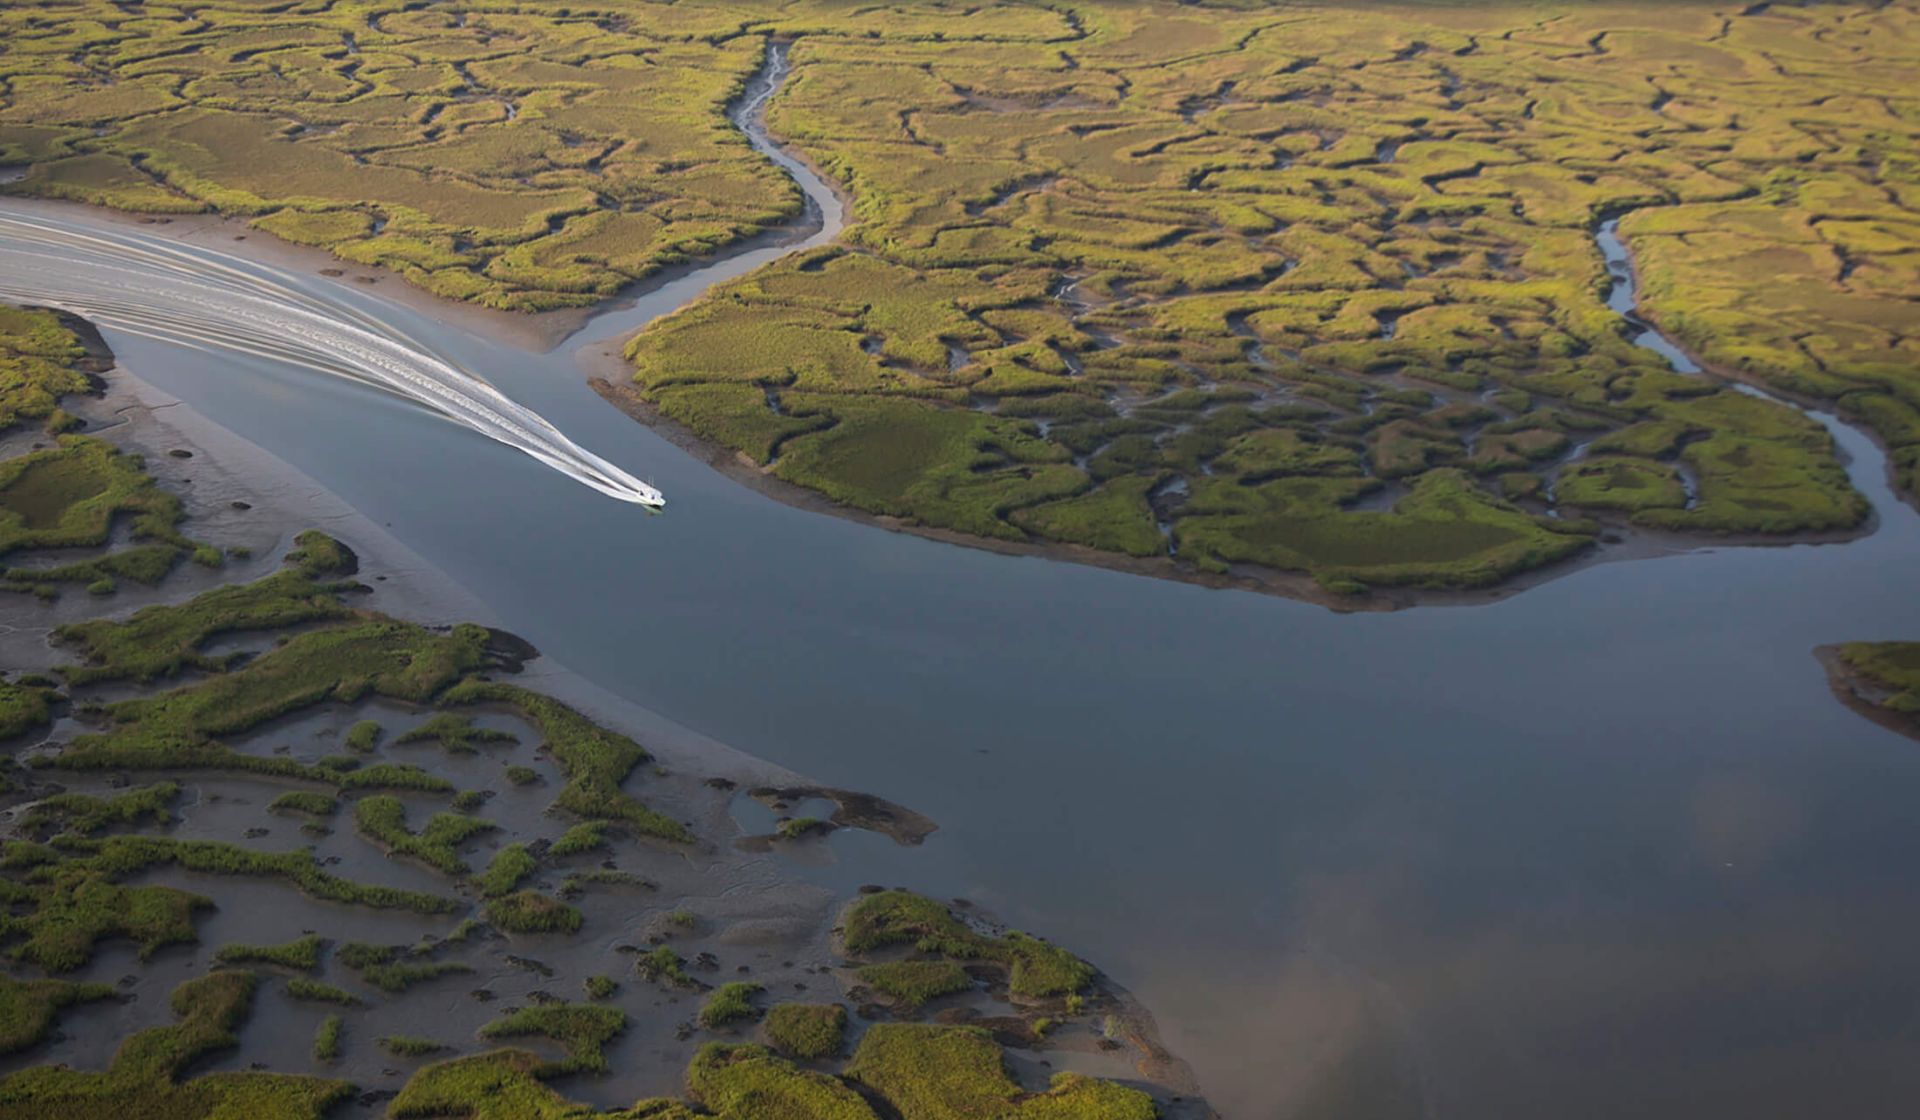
(388, 967)
(39, 360)
(70, 495)
(1093, 275)
(76, 896)
(505, 1085)
(143, 564)
(300, 987)
(729, 1003)
(125, 855)
(662, 963)
(924, 1073)
(950, 1073)
(595, 760)
(799, 828)
(600, 987)
(143, 1078)
(750, 1082)
(305, 801)
(455, 733)
(184, 727)
(1622, 484)
(807, 1031)
(527, 911)
(1114, 517)
(23, 708)
(1445, 533)
(326, 1039)
(912, 983)
(1894, 666)
(383, 819)
(84, 814)
(159, 641)
(1037, 969)
(410, 1046)
(583, 1028)
(302, 955)
(508, 868)
(548, 170)
(29, 1007)
(75, 911)
(362, 736)
(587, 836)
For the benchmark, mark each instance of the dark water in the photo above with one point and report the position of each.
(1608, 848)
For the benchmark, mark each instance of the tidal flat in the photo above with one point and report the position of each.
(256, 823)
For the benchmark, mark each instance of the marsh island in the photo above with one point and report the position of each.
(1244, 290)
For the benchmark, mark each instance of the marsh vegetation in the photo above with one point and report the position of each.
(1305, 289)
(522, 159)
(1317, 290)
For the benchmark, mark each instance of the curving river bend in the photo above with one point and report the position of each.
(1605, 848)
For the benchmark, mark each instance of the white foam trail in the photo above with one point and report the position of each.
(210, 301)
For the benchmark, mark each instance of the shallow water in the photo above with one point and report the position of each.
(1605, 848)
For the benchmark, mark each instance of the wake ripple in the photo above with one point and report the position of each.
(210, 301)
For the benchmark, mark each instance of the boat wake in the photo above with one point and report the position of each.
(210, 301)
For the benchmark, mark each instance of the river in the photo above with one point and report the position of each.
(1608, 847)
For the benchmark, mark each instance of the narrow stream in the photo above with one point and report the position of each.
(1624, 298)
(1608, 847)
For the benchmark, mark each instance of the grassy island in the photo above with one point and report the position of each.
(1880, 680)
(806, 1030)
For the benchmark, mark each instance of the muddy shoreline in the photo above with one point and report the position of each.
(1860, 693)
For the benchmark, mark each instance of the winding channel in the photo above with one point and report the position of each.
(1623, 298)
(1604, 848)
